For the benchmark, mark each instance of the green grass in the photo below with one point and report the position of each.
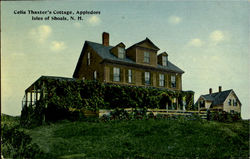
(143, 139)
(139, 139)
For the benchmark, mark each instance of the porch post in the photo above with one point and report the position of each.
(31, 97)
(26, 98)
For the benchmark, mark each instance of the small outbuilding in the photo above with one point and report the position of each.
(226, 101)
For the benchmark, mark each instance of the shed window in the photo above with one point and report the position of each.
(146, 57)
(234, 102)
(116, 74)
(161, 80)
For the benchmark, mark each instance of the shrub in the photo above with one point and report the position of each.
(58, 95)
(225, 116)
(16, 144)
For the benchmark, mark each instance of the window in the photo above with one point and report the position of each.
(121, 53)
(232, 111)
(116, 74)
(234, 102)
(88, 61)
(147, 77)
(173, 82)
(229, 102)
(146, 57)
(129, 76)
(164, 60)
(202, 104)
(95, 75)
(161, 80)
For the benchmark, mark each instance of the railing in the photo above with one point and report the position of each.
(28, 103)
(202, 114)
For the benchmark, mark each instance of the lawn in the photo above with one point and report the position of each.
(143, 139)
(162, 138)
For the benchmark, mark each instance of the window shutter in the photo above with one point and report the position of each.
(177, 82)
(166, 80)
(157, 79)
(126, 75)
(151, 78)
(111, 73)
(121, 75)
(133, 76)
(142, 78)
(169, 81)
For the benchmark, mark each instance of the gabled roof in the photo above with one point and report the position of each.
(218, 98)
(105, 54)
(143, 41)
(163, 53)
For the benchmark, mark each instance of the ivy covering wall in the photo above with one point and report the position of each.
(58, 96)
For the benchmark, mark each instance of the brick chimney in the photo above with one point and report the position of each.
(105, 39)
(210, 90)
(219, 88)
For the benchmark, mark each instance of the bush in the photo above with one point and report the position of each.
(225, 116)
(60, 95)
(16, 144)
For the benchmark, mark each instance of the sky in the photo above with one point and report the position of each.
(209, 40)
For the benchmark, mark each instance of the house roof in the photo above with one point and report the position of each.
(31, 87)
(146, 40)
(104, 52)
(163, 53)
(218, 98)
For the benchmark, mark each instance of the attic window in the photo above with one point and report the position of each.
(229, 102)
(121, 53)
(164, 60)
(234, 102)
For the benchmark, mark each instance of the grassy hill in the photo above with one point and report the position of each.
(140, 139)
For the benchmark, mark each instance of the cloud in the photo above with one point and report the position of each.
(94, 20)
(77, 25)
(174, 19)
(57, 46)
(217, 36)
(195, 42)
(41, 33)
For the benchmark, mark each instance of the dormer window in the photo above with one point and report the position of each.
(164, 60)
(146, 57)
(121, 53)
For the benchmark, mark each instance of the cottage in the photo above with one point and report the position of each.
(220, 101)
(138, 65)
